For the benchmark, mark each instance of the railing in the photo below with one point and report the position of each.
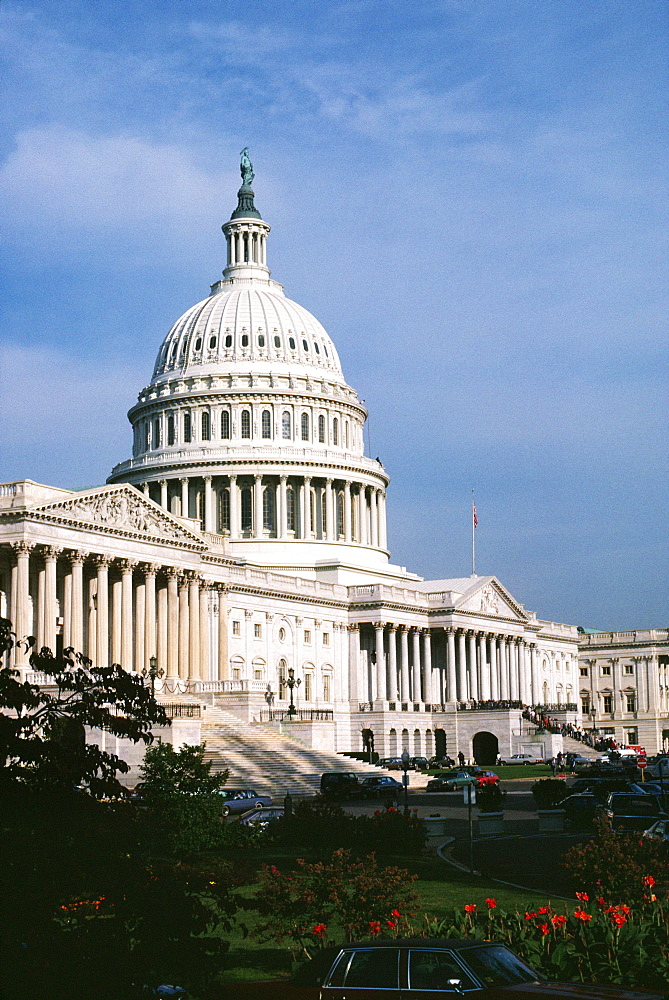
(568, 706)
(365, 706)
(179, 711)
(298, 714)
(243, 684)
(488, 706)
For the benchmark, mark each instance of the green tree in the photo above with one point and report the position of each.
(43, 729)
(183, 796)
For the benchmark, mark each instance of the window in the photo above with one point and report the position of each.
(285, 425)
(245, 340)
(282, 635)
(307, 687)
(585, 705)
(327, 687)
(257, 675)
(305, 426)
(228, 340)
(583, 671)
(629, 668)
(261, 340)
(266, 424)
(170, 429)
(247, 510)
(607, 701)
(225, 425)
(198, 344)
(321, 429)
(236, 674)
(430, 970)
(290, 509)
(307, 635)
(317, 348)
(335, 431)
(346, 434)
(187, 428)
(268, 507)
(374, 968)
(340, 515)
(236, 628)
(257, 631)
(282, 670)
(305, 345)
(291, 343)
(206, 427)
(326, 638)
(277, 341)
(246, 424)
(606, 671)
(212, 343)
(224, 511)
(156, 433)
(326, 351)
(630, 700)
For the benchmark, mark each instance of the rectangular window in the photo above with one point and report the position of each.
(585, 706)
(236, 674)
(307, 687)
(307, 635)
(257, 631)
(326, 638)
(236, 628)
(630, 700)
(606, 671)
(629, 669)
(187, 428)
(608, 703)
(583, 671)
(257, 675)
(326, 687)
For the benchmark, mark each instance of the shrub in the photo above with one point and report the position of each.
(490, 798)
(613, 865)
(549, 793)
(319, 827)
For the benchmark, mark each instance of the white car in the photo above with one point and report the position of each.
(520, 758)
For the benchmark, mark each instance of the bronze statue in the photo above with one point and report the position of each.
(246, 168)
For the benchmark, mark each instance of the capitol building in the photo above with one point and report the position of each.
(242, 550)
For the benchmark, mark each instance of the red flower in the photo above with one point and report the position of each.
(390, 923)
(470, 908)
(583, 896)
(582, 915)
(530, 916)
(544, 928)
(558, 920)
(601, 901)
(618, 919)
(491, 904)
(544, 909)
(319, 930)
(395, 913)
(374, 927)
(648, 880)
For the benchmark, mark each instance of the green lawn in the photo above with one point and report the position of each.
(530, 772)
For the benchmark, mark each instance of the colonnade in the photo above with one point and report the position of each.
(247, 244)
(278, 506)
(116, 610)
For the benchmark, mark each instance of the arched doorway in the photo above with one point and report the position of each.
(392, 743)
(485, 748)
(416, 743)
(440, 743)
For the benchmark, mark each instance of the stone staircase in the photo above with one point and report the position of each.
(259, 757)
(575, 746)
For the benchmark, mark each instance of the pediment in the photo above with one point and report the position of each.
(119, 510)
(488, 597)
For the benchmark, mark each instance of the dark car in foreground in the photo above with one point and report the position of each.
(628, 813)
(240, 800)
(381, 786)
(341, 785)
(426, 968)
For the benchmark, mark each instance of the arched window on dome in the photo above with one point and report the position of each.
(212, 343)
(285, 425)
(156, 433)
(245, 340)
(170, 429)
(317, 348)
(340, 515)
(305, 345)
(261, 340)
(247, 510)
(187, 428)
(321, 429)
(266, 424)
(206, 426)
(269, 509)
(223, 511)
(198, 344)
(277, 341)
(246, 424)
(291, 343)
(228, 340)
(305, 426)
(335, 431)
(290, 509)
(225, 425)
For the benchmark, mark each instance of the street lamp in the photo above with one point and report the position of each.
(405, 780)
(152, 673)
(290, 683)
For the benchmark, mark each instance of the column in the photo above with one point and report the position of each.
(172, 623)
(534, 674)
(362, 520)
(163, 494)
(145, 489)
(208, 505)
(415, 680)
(150, 646)
(485, 667)
(374, 518)
(92, 616)
(503, 668)
(50, 604)
(205, 591)
(306, 508)
(347, 512)
(184, 498)
(451, 675)
(184, 629)
(22, 551)
(462, 666)
(393, 689)
(140, 624)
(354, 686)
(39, 616)
(330, 526)
(383, 537)
(193, 672)
(77, 619)
(405, 691)
(494, 667)
(116, 620)
(524, 688)
(234, 508)
(514, 694)
(427, 667)
(127, 567)
(472, 671)
(162, 596)
(381, 693)
(67, 606)
(223, 659)
(102, 612)
(257, 506)
(281, 514)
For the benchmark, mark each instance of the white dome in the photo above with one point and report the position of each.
(246, 325)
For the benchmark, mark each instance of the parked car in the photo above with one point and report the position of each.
(658, 830)
(445, 761)
(262, 817)
(381, 785)
(425, 968)
(629, 813)
(520, 758)
(459, 778)
(391, 763)
(418, 763)
(580, 810)
(340, 785)
(240, 800)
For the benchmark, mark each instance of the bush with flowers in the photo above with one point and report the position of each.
(613, 865)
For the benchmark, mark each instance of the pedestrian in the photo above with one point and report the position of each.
(554, 765)
(461, 758)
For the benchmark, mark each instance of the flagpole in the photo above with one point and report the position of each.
(473, 536)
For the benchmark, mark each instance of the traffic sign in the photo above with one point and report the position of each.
(641, 762)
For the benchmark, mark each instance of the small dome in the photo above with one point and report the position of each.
(246, 327)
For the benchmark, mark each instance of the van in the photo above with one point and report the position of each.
(340, 785)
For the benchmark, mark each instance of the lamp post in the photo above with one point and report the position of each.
(291, 682)
(152, 673)
(405, 780)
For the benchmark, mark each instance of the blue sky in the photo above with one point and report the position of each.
(470, 196)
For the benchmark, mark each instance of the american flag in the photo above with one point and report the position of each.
(475, 518)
